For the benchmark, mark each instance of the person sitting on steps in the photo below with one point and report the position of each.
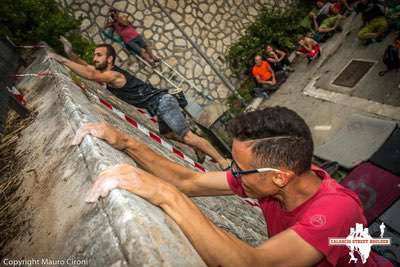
(266, 78)
(277, 58)
(308, 47)
(326, 25)
(375, 24)
(131, 37)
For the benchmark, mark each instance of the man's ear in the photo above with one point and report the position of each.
(110, 59)
(281, 179)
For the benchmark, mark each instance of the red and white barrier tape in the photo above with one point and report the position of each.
(147, 115)
(20, 97)
(39, 74)
(30, 46)
(150, 134)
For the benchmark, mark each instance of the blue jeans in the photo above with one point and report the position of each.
(171, 117)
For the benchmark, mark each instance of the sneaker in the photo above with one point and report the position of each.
(265, 95)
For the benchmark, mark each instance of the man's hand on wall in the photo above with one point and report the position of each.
(56, 57)
(131, 179)
(102, 131)
(67, 45)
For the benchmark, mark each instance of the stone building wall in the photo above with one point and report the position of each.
(168, 25)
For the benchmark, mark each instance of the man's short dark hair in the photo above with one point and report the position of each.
(110, 51)
(282, 138)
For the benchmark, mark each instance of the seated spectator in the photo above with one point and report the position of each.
(265, 76)
(391, 57)
(308, 47)
(326, 25)
(321, 10)
(277, 58)
(323, 7)
(132, 39)
(375, 24)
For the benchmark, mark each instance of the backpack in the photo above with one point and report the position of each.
(390, 59)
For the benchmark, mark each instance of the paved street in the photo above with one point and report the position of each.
(326, 108)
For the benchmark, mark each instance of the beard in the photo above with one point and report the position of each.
(100, 65)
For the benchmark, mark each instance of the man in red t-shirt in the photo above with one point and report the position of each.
(272, 150)
(132, 39)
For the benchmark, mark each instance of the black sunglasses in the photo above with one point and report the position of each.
(237, 172)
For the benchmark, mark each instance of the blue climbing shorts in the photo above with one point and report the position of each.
(171, 117)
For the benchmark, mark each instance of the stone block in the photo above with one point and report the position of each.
(189, 19)
(172, 4)
(120, 5)
(148, 21)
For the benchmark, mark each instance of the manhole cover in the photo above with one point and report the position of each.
(353, 73)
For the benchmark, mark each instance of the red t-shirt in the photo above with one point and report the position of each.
(127, 33)
(330, 212)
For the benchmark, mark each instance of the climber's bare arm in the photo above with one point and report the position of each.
(188, 181)
(74, 57)
(113, 78)
(68, 51)
(216, 246)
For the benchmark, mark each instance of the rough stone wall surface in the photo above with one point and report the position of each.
(211, 26)
(121, 229)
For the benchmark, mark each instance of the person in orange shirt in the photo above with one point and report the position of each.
(265, 76)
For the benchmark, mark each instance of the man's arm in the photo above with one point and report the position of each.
(109, 22)
(272, 60)
(68, 51)
(260, 81)
(90, 73)
(188, 181)
(273, 81)
(314, 19)
(281, 54)
(216, 246)
(220, 248)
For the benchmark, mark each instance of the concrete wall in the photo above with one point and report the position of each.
(183, 32)
(120, 230)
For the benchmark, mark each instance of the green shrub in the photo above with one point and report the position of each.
(32, 21)
(82, 46)
(272, 26)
